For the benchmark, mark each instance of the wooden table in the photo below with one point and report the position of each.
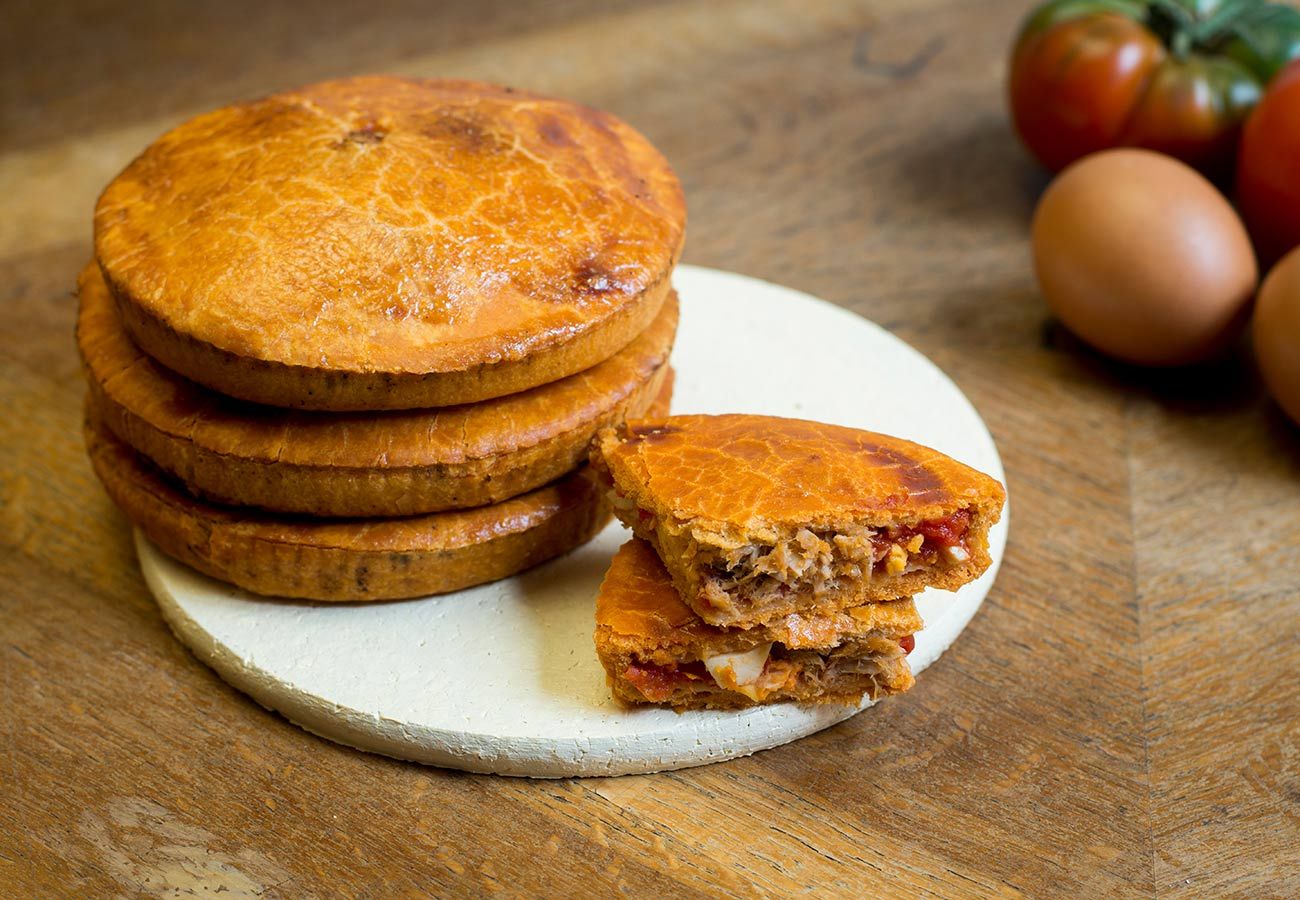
(1123, 717)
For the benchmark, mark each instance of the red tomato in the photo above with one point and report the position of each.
(1088, 75)
(1074, 86)
(1268, 168)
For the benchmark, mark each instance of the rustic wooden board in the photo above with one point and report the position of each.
(1123, 717)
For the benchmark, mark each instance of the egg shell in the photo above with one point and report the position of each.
(1141, 257)
(1275, 332)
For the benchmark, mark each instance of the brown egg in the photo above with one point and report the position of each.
(1143, 258)
(1276, 333)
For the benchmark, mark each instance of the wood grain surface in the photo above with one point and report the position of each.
(1122, 718)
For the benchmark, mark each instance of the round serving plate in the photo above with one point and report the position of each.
(504, 678)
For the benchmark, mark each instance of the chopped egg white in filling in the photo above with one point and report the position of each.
(956, 554)
(740, 672)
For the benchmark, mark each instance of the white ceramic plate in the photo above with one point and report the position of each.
(504, 678)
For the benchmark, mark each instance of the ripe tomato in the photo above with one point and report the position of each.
(1268, 168)
(1175, 76)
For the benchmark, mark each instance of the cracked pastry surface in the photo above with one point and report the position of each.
(384, 242)
(656, 650)
(757, 517)
(401, 462)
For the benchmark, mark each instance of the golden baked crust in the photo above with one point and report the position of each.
(390, 243)
(645, 631)
(745, 470)
(357, 464)
(757, 517)
(366, 559)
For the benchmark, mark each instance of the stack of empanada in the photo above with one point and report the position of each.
(351, 341)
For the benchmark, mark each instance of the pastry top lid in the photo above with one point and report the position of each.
(750, 471)
(384, 224)
(639, 608)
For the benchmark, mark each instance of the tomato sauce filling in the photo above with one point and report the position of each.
(657, 683)
(949, 531)
(936, 535)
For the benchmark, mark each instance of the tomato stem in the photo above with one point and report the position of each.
(1174, 24)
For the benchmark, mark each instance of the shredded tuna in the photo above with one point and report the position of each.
(821, 561)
